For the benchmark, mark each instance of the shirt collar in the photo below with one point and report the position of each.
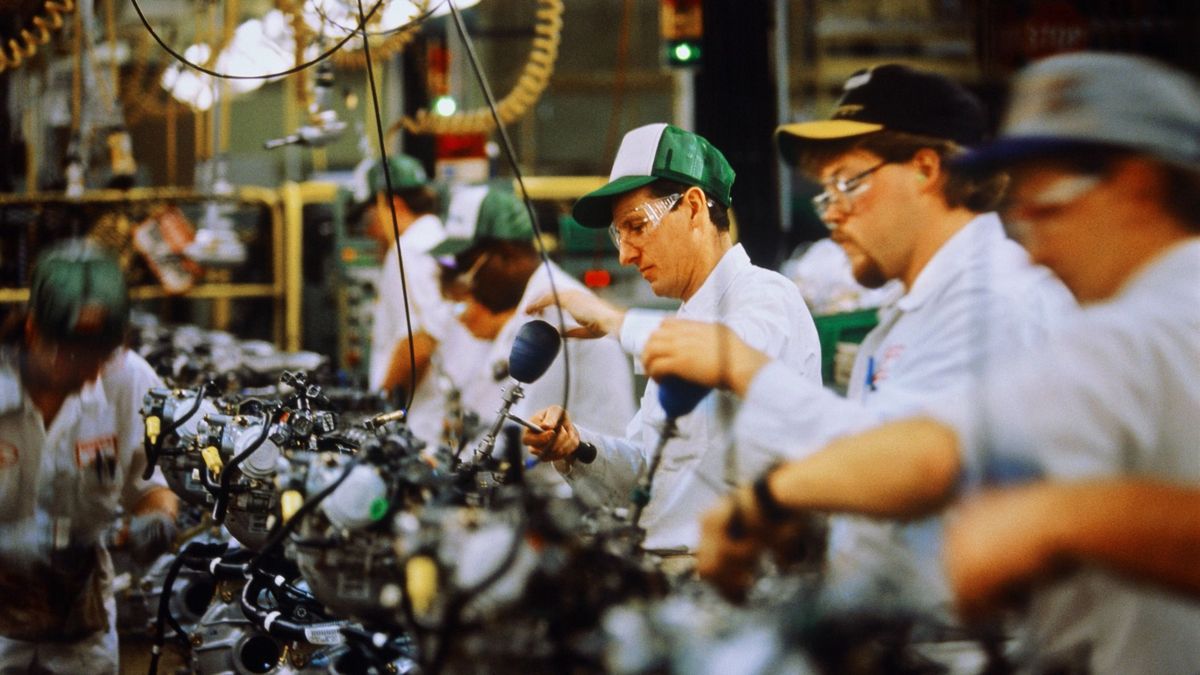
(92, 394)
(706, 301)
(1177, 266)
(981, 233)
(423, 234)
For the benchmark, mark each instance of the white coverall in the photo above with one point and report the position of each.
(59, 491)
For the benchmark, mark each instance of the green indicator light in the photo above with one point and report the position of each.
(683, 53)
(378, 509)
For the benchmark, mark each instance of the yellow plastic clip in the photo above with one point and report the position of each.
(421, 577)
(153, 428)
(289, 503)
(212, 459)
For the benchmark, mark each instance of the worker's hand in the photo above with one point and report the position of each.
(596, 318)
(997, 544)
(709, 354)
(731, 541)
(554, 442)
(150, 535)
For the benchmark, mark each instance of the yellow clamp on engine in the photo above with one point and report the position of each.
(153, 428)
(421, 579)
(212, 459)
(289, 503)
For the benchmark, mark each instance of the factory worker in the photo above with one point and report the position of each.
(492, 267)
(901, 211)
(667, 206)
(71, 454)
(416, 206)
(1104, 151)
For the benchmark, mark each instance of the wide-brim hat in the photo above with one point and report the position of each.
(1090, 100)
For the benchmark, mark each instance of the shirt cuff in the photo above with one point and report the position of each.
(571, 468)
(637, 328)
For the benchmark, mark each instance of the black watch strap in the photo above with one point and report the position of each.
(772, 511)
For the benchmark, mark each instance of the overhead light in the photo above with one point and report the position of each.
(445, 106)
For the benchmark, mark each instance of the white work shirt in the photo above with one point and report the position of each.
(429, 312)
(459, 358)
(765, 310)
(977, 298)
(67, 480)
(1116, 393)
(601, 392)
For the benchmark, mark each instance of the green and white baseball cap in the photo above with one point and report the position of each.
(77, 293)
(652, 152)
(483, 212)
(404, 171)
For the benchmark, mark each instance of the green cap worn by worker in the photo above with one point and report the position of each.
(404, 173)
(78, 294)
(652, 152)
(484, 212)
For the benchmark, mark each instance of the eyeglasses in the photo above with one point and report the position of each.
(642, 219)
(1047, 202)
(847, 188)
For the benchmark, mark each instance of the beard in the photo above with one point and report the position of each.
(865, 269)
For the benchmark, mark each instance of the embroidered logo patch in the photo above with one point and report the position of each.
(103, 448)
(8, 455)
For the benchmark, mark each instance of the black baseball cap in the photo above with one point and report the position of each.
(893, 97)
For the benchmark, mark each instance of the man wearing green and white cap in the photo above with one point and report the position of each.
(667, 206)
(495, 272)
(415, 203)
(70, 454)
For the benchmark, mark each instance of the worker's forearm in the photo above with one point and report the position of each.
(159, 499)
(899, 470)
(744, 365)
(1142, 529)
(407, 368)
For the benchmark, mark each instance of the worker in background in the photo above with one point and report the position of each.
(899, 208)
(667, 206)
(415, 204)
(70, 454)
(1105, 154)
(495, 271)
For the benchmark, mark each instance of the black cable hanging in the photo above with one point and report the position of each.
(387, 179)
(511, 155)
(327, 20)
(283, 73)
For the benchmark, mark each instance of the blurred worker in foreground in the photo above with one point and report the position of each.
(667, 207)
(1105, 155)
(416, 207)
(1006, 540)
(901, 210)
(494, 272)
(70, 454)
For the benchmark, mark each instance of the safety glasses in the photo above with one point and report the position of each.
(641, 220)
(847, 189)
